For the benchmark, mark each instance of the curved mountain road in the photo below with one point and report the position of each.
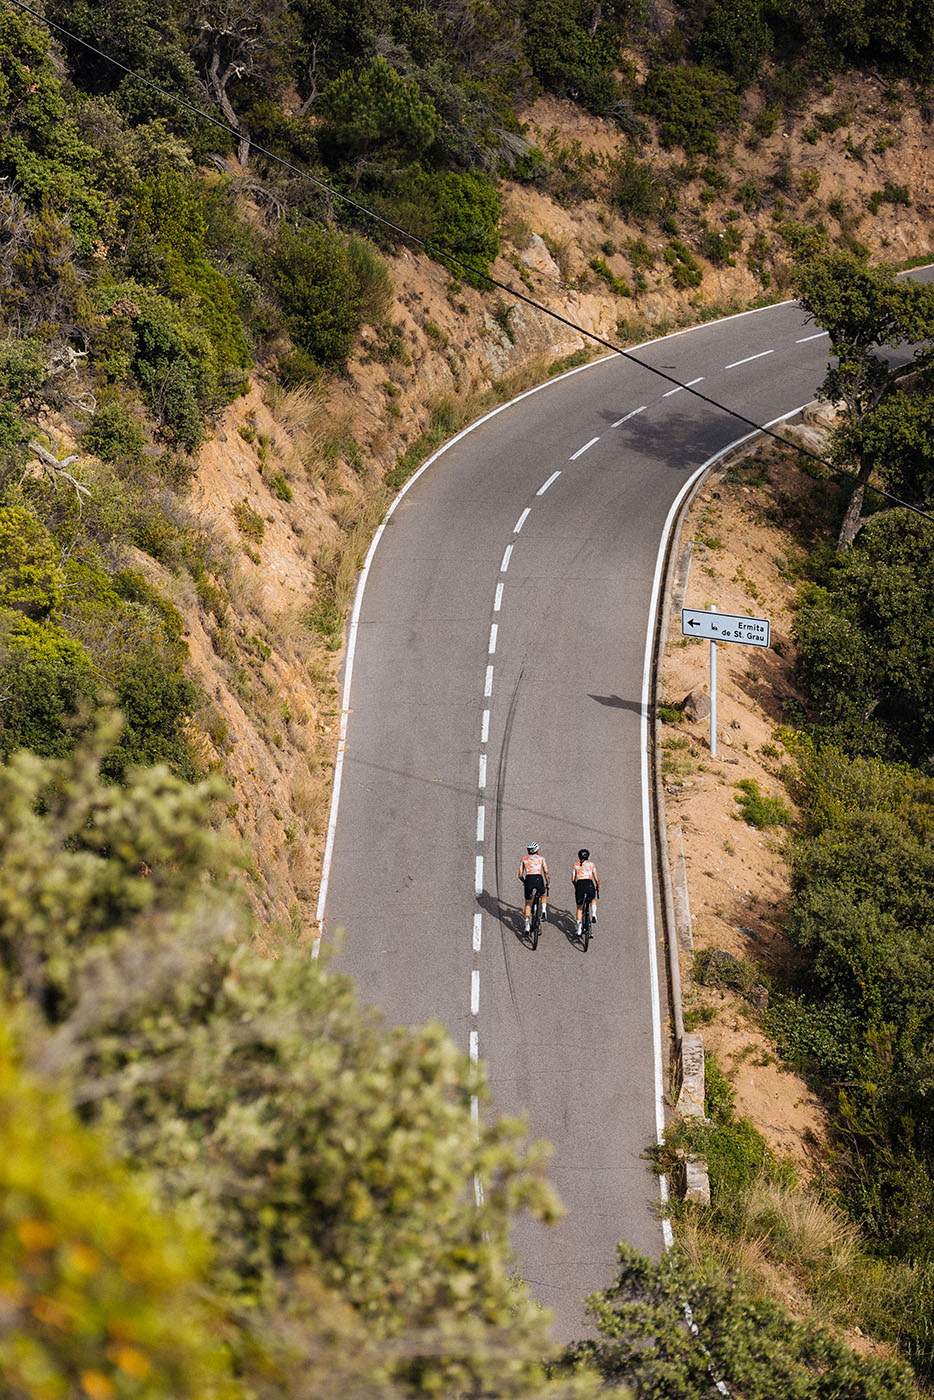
(498, 697)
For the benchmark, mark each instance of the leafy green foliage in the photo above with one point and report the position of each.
(140, 36)
(378, 111)
(313, 275)
(321, 1151)
(734, 38)
(757, 809)
(693, 105)
(573, 51)
(104, 1288)
(866, 642)
(865, 309)
(170, 245)
(40, 147)
(753, 1346)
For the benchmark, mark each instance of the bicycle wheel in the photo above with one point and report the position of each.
(535, 922)
(585, 925)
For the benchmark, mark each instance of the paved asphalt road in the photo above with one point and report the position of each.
(496, 699)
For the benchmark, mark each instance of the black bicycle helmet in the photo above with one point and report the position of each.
(583, 855)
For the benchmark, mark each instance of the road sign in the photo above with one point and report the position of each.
(724, 627)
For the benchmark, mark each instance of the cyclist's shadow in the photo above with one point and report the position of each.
(512, 917)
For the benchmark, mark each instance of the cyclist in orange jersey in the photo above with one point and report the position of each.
(586, 884)
(533, 872)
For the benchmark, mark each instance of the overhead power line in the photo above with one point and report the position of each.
(449, 257)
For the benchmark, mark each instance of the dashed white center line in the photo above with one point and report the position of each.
(488, 683)
(626, 416)
(553, 478)
(493, 631)
(477, 932)
(805, 338)
(689, 385)
(474, 1047)
(749, 358)
(478, 876)
(481, 821)
(498, 599)
(474, 992)
(485, 727)
(581, 450)
(506, 557)
(521, 521)
(482, 782)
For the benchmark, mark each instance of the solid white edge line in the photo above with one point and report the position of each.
(474, 992)
(749, 359)
(521, 521)
(477, 932)
(481, 821)
(805, 338)
(498, 598)
(550, 482)
(581, 450)
(478, 876)
(403, 490)
(485, 727)
(494, 628)
(482, 775)
(646, 805)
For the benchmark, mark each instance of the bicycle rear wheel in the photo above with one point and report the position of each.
(535, 922)
(585, 925)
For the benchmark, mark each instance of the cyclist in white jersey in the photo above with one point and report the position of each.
(533, 872)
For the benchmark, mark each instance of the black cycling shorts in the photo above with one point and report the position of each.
(584, 889)
(532, 883)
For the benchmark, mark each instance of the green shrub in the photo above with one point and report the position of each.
(734, 38)
(692, 106)
(574, 51)
(758, 810)
(313, 274)
(465, 211)
(31, 579)
(115, 434)
(249, 521)
(685, 269)
(41, 149)
(636, 188)
(280, 487)
(109, 1284)
(46, 678)
(618, 285)
(169, 239)
(376, 110)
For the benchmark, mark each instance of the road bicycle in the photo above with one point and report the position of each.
(587, 921)
(535, 918)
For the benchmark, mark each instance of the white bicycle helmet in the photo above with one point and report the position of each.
(532, 848)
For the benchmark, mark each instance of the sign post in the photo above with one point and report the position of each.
(722, 627)
(713, 693)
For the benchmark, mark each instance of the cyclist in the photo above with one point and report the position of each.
(586, 884)
(533, 872)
